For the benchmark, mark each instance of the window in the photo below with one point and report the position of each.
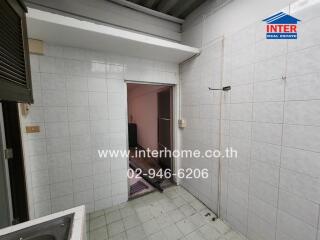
(15, 80)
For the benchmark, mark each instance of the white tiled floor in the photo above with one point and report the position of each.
(174, 214)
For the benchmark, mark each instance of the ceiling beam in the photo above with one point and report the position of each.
(191, 9)
(185, 7)
(147, 11)
(135, 1)
(151, 3)
(166, 5)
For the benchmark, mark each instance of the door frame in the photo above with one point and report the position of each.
(16, 164)
(175, 127)
(170, 90)
(5, 165)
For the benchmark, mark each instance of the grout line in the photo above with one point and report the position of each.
(273, 101)
(282, 133)
(44, 139)
(318, 226)
(251, 144)
(227, 107)
(220, 131)
(69, 135)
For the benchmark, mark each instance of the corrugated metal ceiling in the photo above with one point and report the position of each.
(177, 8)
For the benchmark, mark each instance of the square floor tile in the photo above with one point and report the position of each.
(158, 236)
(176, 215)
(131, 221)
(111, 209)
(167, 205)
(127, 211)
(234, 236)
(136, 233)
(120, 236)
(99, 234)
(113, 216)
(196, 235)
(187, 210)
(220, 226)
(188, 197)
(172, 232)
(96, 214)
(209, 232)
(179, 201)
(97, 223)
(164, 220)
(197, 205)
(115, 228)
(186, 226)
(151, 227)
(197, 220)
(156, 209)
(171, 193)
(144, 215)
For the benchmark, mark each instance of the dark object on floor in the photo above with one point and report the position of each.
(145, 163)
(56, 229)
(137, 187)
(133, 139)
(213, 219)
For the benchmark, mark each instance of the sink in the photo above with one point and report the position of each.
(56, 229)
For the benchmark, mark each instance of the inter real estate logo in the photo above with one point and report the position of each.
(281, 26)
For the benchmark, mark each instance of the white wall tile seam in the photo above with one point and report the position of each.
(93, 61)
(302, 125)
(271, 123)
(282, 133)
(294, 216)
(256, 215)
(290, 51)
(250, 160)
(300, 173)
(318, 232)
(307, 150)
(255, 62)
(302, 100)
(211, 42)
(70, 150)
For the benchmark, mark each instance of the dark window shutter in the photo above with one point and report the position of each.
(15, 80)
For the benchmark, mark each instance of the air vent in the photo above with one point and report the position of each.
(15, 82)
(12, 64)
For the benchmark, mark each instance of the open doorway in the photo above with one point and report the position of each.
(150, 111)
(13, 191)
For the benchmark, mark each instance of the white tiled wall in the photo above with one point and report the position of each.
(201, 108)
(272, 190)
(80, 106)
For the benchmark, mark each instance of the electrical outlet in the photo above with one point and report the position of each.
(32, 129)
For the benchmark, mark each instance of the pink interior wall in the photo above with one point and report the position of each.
(143, 110)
